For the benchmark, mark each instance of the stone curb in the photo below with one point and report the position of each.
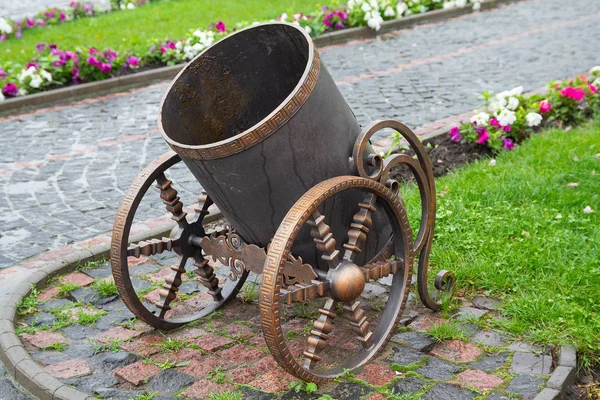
(19, 364)
(121, 83)
(562, 376)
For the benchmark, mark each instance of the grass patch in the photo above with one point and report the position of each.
(446, 331)
(133, 29)
(225, 395)
(549, 277)
(145, 396)
(113, 345)
(172, 344)
(106, 287)
(66, 288)
(28, 305)
(56, 346)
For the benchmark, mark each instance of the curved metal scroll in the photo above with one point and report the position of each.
(373, 166)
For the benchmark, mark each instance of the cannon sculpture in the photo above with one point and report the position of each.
(262, 126)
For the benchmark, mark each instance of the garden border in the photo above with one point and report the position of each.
(78, 92)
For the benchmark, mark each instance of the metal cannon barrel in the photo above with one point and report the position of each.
(259, 121)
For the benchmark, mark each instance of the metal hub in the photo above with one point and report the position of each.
(347, 282)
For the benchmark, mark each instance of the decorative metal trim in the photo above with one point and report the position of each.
(259, 132)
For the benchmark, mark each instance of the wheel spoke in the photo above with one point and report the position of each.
(361, 223)
(358, 320)
(169, 290)
(301, 292)
(378, 270)
(171, 200)
(201, 209)
(319, 335)
(208, 278)
(321, 233)
(151, 247)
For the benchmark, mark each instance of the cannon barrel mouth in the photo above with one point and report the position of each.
(239, 91)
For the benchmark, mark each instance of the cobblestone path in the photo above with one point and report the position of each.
(64, 170)
(28, 8)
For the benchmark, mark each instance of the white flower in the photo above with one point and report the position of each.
(461, 3)
(130, 6)
(596, 82)
(389, 12)
(283, 17)
(46, 75)
(122, 6)
(496, 105)
(21, 92)
(449, 4)
(513, 103)
(501, 99)
(492, 162)
(481, 118)
(516, 91)
(1, 96)
(178, 45)
(375, 21)
(308, 29)
(374, 4)
(197, 48)
(5, 27)
(503, 95)
(365, 7)
(400, 8)
(533, 119)
(506, 117)
(595, 71)
(588, 210)
(476, 6)
(35, 82)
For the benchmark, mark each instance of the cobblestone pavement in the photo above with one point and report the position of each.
(64, 170)
(99, 349)
(28, 8)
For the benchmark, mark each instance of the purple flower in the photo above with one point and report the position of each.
(32, 64)
(506, 128)
(340, 25)
(220, 26)
(49, 14)
(10, 90)
(18, 34)
(53, 46)
(152, 49)
(75, 73)
(327, 23)
(29, 22)
(111, 55)
(86, 8)
(483, 137)
(62, 16)
(40, 47)
(132, 61)
(92, 60)
(3, 74)
(3, 37)
(508, 143)
(105, 67)
(455, 135)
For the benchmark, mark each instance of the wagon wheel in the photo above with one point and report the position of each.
(422, 170)
(162, 313)
(338, 290)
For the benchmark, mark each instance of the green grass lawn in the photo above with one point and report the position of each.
(517, 231)
(131, 29)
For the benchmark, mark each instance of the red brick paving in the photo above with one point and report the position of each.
(146, 345)
(259, 341)
(137, 373)
(456, 350)
(77, 278)
(266, 364)
(199, 368)
(240, 331)
(377, 374)
(478, 380)
(203, 387)
(240, 354)
(273, 381)
(43, 339)
(243, 375)
(49, 294)
(188, 333)
(426, 322)
(69, 369)
(376, 396)
(117, 333)
(211, 342)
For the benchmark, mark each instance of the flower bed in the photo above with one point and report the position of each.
(54, 67)
(507, 118)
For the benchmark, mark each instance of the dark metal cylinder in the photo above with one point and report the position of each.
(259, 121)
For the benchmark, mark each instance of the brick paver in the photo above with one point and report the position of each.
(66, 169)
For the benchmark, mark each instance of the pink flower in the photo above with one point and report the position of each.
(132, 61)
(49, 14)
(10, 90)
(75, 73)
(163, 50)
(32, 64)
(220, 26)
(483, 137)
(29, 22)
(545, 106)
(506, 128)
(508, 143)
(573, 93)
(3, 74)
(93, 51)
(62, 16)
(340, 25)
(494, 122)
(171, 45)
(105, 67)
(111, 55)
(40, 47)
(92, 60)
(593, 88)
(3, 37)
(455, 135)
